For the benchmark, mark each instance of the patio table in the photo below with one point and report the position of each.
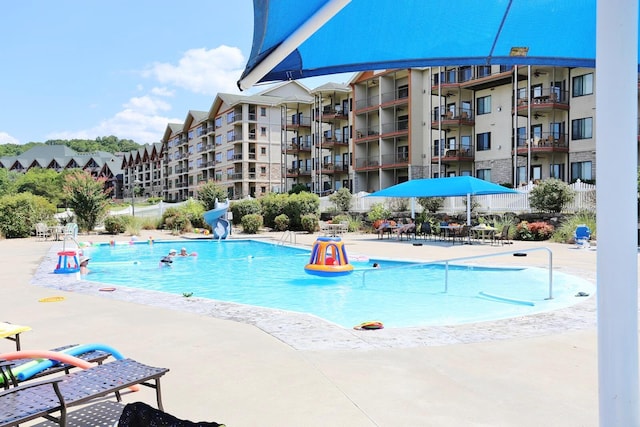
(483, 233)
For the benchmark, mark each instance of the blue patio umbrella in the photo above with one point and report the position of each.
(294, 39)
(455, 186)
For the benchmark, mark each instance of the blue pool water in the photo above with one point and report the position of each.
(399, 294)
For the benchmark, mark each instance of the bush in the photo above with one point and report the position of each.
(309, 223)
(281, 222)
(299, 205)
(354, 223)
(19, 213)
(342, 199)
(431, 204)
(116, 224)
(194, 211)
(272, 205)
(244, 207)
(176, 220)
(564, 233)
(251, 223)
(209, 192)
(154, 200)
(378, 212)
(534, 230)
(551, 195)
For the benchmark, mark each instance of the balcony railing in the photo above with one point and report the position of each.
(547, 141)
(395, 159)
(367, 162)
(453, 113)
(370, 132)
(454, 152)
(399, 126)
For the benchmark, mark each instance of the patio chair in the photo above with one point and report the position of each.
(582, 236)
(462, 234)
(426, 231)
(503, 236)
(42, 231)
(71, 231)
(44, 398)
(407, 230)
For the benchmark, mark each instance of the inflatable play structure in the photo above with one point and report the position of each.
(328, 258)
(217, 220)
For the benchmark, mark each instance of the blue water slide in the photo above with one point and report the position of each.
(217, 220)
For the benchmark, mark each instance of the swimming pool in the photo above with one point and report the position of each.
(399, 294)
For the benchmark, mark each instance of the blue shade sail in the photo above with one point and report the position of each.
(383, 34)
(443, 187)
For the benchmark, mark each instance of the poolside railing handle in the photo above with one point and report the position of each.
(467, 258)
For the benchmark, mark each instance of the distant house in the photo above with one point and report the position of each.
(60, 157)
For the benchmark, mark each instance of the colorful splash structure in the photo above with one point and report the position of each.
(328, 258)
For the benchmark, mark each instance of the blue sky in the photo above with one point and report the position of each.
(85, 68)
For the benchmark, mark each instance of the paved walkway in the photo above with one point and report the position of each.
(247, 366)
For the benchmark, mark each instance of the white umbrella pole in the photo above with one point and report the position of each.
(469, 209)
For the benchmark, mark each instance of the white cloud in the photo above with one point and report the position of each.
(5, 138)
(203, 71)
(162, 91)
(140, 121)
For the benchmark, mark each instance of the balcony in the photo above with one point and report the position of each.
(367, 134)
(452, 117)
(297, 172)
(367, 163)
(544, 100)
(294, 148)
(453, 154)
(548, 142)
(329, 141)
(400, 127)
(330, 113)
(395, 160)
(333, 168)
(297, 122)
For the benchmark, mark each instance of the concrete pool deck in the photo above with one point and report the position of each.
(247, 366)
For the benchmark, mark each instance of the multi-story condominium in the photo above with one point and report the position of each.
(143, 172)
(332, 138)
(507, 125)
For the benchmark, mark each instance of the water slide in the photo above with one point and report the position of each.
(217, 220)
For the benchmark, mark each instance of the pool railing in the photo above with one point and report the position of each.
(447, 262)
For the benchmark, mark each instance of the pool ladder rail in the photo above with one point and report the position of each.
(446, 262)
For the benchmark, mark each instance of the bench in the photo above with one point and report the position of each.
(43, 399)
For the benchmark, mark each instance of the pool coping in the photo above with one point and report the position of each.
(308, 332)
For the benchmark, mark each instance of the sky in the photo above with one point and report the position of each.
(89, 68)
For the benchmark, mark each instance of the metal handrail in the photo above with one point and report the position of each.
(446, 262)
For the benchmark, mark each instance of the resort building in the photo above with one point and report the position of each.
(60, 157)
(143, 172)
(506, 125)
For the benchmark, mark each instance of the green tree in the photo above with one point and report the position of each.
(7, 181)
(551, 195)
(88, 197)
(209, 192)
(272, 205)
(431, 204)
(41, 182)
(20, 212)
(298, 188)
(342, 199)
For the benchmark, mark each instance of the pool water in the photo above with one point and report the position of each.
(400, 294)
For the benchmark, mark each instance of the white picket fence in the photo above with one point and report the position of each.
(492, 204)
(152, 211)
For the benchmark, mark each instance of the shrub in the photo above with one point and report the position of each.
(378, 212)
(564, 233)
(342, 199)
(19, 213)
(244, 207)
(281, 222)
(299, 205)
(431, 204)
(194, 211)
(176, 220)
(309, 223)
(354, 223)
(272, 205)
(534, 230)
(154, 200)
(251, 223)
(209, 192)
(116, 224)
(551, 195)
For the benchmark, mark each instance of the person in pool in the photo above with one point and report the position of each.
(84, 266)
(183, 252)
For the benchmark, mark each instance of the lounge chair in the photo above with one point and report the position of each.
(43, 399)
(407, 230)
(7, 368)
(426, 231)
(42, 231)
(582, 236)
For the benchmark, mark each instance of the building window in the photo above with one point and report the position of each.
(231, 136)
(521, 175)
(218, 157)
(403, 91)
(263, 190)
(230, 117)
(263, 170)
(557, 171)
(263, 131)
(581, 171)
(218, 139)
(230, 154)
(583, 85)
(483, 141)
(483, 105)
(263, 112)
(484, 174)
(582, 128)
(218, 122)
(263, 151)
